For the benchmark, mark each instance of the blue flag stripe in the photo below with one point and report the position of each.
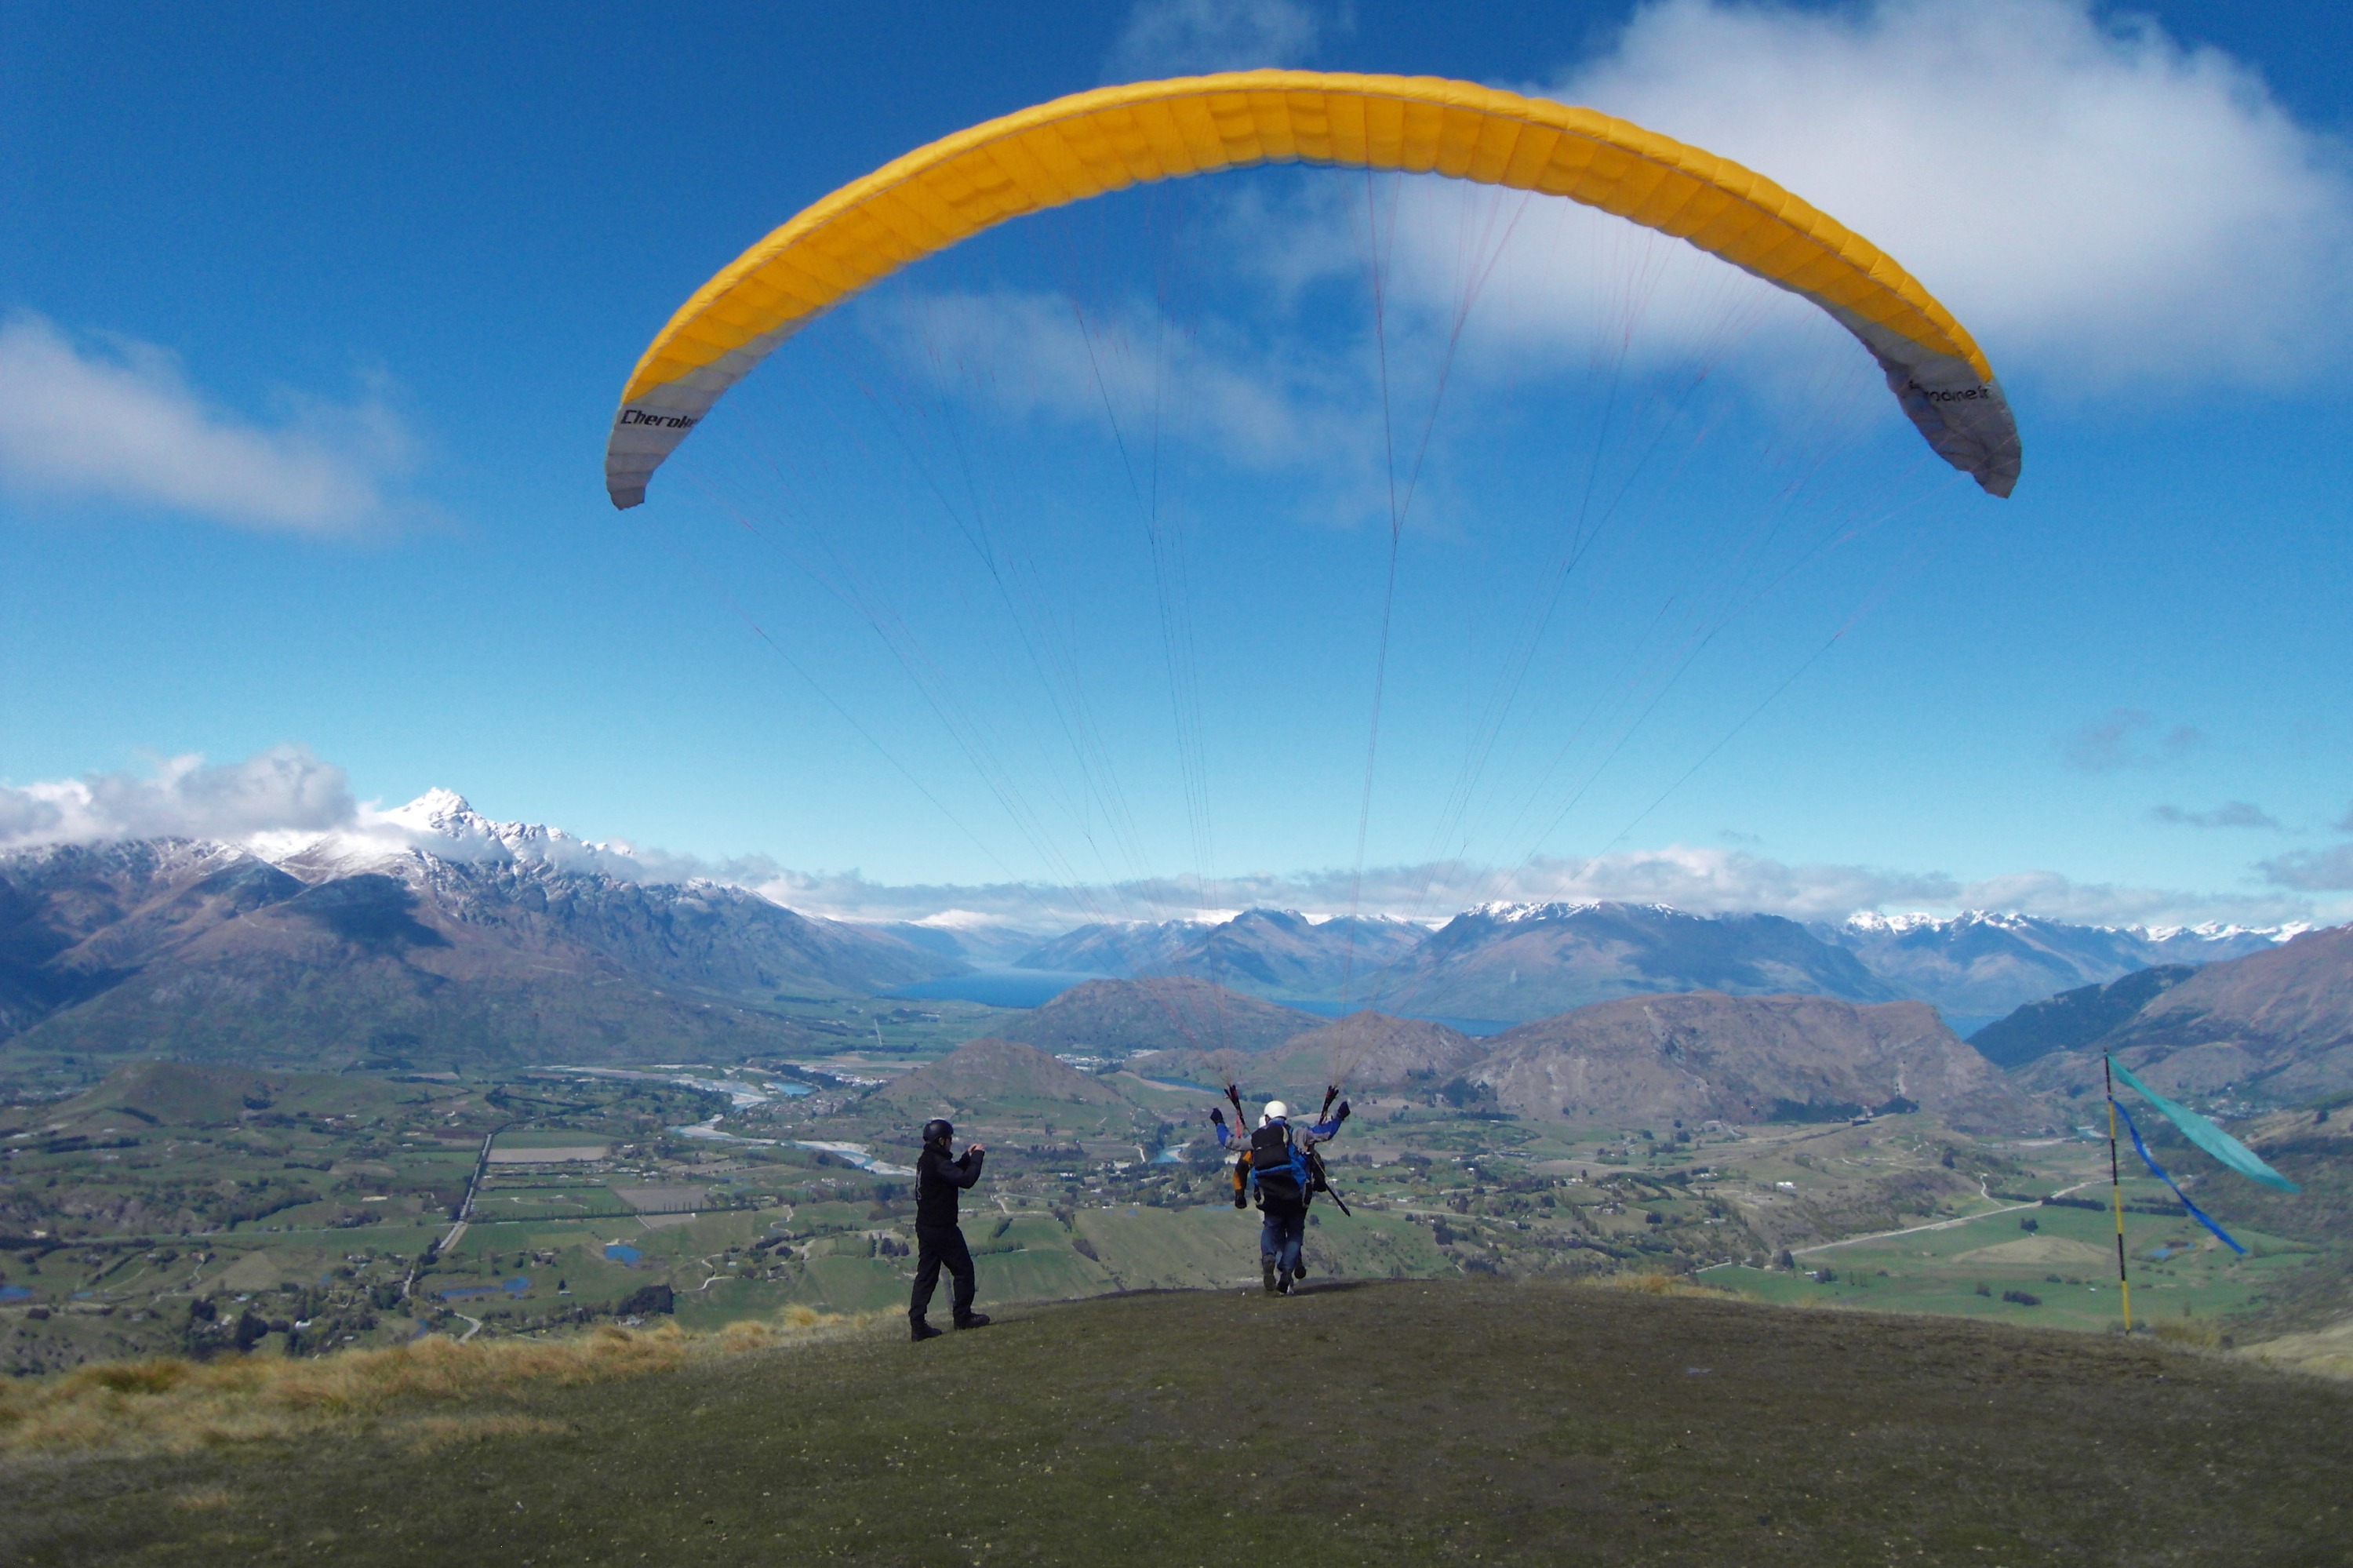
(2158, 1171)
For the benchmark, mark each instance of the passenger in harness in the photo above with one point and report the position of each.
(1282, 1171)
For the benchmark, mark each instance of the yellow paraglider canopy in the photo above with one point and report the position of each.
(1115, 137)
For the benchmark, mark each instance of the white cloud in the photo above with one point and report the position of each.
(283, 789)
(1183, 37)
(2057, 898)
(1024, 355)
(2094, 199)
(120, 421)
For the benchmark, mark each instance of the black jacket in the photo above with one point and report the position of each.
(938, 1179)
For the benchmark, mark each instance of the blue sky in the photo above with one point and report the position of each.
(314, 324)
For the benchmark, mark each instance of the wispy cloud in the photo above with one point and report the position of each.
(2229, 814)
(2128, 738)
(2312, 870)
(117, 419)
(1183, 38)
(1702, 879)
(281, 789)
(1025, 354)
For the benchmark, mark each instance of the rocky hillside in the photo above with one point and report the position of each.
(2275, 1028)
(1650, 1061)
(2075, 1020)
(1169, 1013)
(1370, 1050)
(989, 1071)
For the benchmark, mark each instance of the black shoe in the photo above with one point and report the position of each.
(1283, 1287)
(1266, 1273)
(1301, 1272)
(924, 1332)
(978, 1321)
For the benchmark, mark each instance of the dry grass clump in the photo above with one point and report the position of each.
(177, 1405)
(2192, 1333)
(2327, 1352)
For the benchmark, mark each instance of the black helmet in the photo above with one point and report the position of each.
(939, 1130)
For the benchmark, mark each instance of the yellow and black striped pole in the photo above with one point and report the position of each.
(2117, 1195)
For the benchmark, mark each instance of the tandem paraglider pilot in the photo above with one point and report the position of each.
(939, 1177)
(1285, 1173)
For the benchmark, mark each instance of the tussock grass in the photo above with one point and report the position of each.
(2327, 1352)
(172, 1406)
(2193, 1334)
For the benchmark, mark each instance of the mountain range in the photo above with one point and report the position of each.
(1507, 963)
(464, 940)
(1978, 964)
(435, 935)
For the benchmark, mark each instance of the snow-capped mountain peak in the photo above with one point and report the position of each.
(442, 824)
(438, 810)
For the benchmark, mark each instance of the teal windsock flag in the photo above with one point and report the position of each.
(2206, 1135)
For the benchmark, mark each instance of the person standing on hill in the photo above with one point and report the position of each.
(1283, 1172)
(939, 1177)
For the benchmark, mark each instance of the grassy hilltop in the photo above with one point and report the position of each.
(1407, 1423)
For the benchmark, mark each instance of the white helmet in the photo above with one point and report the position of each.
(1276, 1110)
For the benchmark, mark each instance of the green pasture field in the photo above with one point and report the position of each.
(2067, 1262)
(546, 1138)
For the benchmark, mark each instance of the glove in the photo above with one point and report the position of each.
(1342, 1117)
(1217, 1116)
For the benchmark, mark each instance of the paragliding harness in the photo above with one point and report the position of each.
(1272, 1162)
(1278, 1170)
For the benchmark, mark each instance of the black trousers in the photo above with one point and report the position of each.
(932, 1248)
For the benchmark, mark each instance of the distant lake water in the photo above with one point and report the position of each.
(998, 988)
(1035, 988)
